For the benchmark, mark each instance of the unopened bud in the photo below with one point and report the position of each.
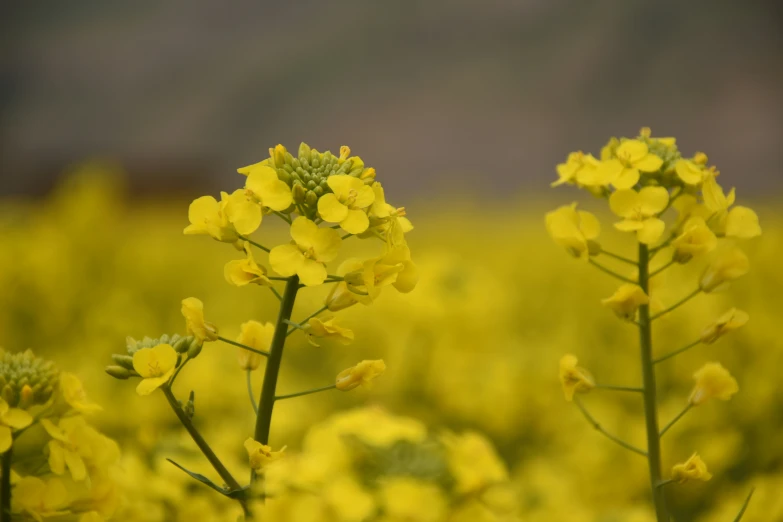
(368, 174)
(304, 152)
(311, 199)
(183, 344)
(195, 348)
(126, 361)
(340, 298)
(27, 396)
(248, 360)
(299, 193)
(118, 372)
(700, 158)
(190, 406)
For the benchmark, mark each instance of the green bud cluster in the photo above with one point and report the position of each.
(425, 461)
(26, 380)
(307, 173)
(123, 367)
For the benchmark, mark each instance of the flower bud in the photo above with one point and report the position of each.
(626, 301)
(362, 373)
(304, 152)
(126, 361)
(190, 406)
(118, 372)
(248, 360)
(299, 193)
(311, 199)
(730, 266)
(728, 322)
(340, 297)
(692, 469)
(182, 344)
(195, 348)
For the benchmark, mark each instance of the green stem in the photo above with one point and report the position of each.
(602, 268)
(5, 486)
(605, 433)
(274, 291)
(346, 236)
(283, 217)
(676, 305)
(650, 400)
(663, 268)
(619, 257)
(250, 390)
(267, 402)
(675, 419)
(677, 352)
(203, 446)
(179, 369)
(257, 245)
(244, 347)
(300, 324)
(306, 392)
(618, 388)
(745, 505)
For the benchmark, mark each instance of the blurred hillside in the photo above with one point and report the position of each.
(480, 96)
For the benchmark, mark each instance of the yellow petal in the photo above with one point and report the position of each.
(330, 208)
(56, 458)
(166, 357)
(201, 211)
(651, 231)
(653, 200)
(53, 430)
(286, 259)
(589, 224)
(407, 278)
(624, 202)
(649, 163)
(355, 222)
(303, 231)
(365, 197)
(606, 172)
(244, 213)
(326, 244)
(272, 192)
(17, 418)
(629, 225)
(312, 273)
(342, 184)
(627, 179)
(743, 223)
(632, 150)
(147, 386)
(142, 360)
(689, 172)
(6, 439)
(75, 465)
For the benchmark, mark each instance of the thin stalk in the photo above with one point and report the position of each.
(346, 236)
(5, 486)
(250, 390)
(677, 304)
(283, 217)
(675, 419)
(745, 505)
(618, 388)
(665, 483)
(605, 433)
(650, 399)
(244, 347)
(300, 324)
(267, 402)
(663, 268)
(306, 392)
(202, 444)
(274, 291)
(619, 257)
(179, 369)
(612, 273)
(257, 245)
(677, 352)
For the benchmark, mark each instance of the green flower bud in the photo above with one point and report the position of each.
(311, 199)
(299, 193)
(164, 339)
(311, 184)
(23, 375)
(194, 349)
(118, 372)
(319, 191)
(126, 361)
(304, 151)
(190, 406)
(182, 344)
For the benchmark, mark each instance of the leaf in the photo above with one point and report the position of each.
(236, 494)
(744, 506)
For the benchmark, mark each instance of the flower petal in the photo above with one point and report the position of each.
(624, 202)
(342, 184)
(75, 465)
(651, 231)
(330, 208)
(326, 244)
(17, 418)
(355, 222)
(303, 231)
(627, 179)
(312, 273)
(286, 259)
(649, 163)
(364, 198)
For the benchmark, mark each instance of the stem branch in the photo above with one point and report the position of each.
(605, 433)
(250, 391)
(244, 347)
(612, 273)
(306, 392)
(675, 419)
(677, 304)
(257, 245)
(676, 352)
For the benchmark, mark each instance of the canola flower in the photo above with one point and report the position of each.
(642, 179)
(317, 195)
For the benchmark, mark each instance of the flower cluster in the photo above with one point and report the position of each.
(55, 462)
(641, 179)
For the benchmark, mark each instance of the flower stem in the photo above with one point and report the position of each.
(202, 444)
(267, 402)
(306, 392)
(283, 217)
(663, 268)
(618, 388)
(619, 257)
(274, 291)
(602, 268)
(677, 304)
(244, 347)
(257, 245)
(675, 419)
(5, 486)
(650, 400)
(745, 505)
(677, 352)
(605, 433)
(250, 391)
(300, 324)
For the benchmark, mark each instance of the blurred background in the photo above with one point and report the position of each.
(114, 116)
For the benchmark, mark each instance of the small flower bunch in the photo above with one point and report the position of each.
(324, 199)
(54, 463)
(642, 179)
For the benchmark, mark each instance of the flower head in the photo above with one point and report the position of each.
(574, 378)
(732, 320)
(327, 329)
(696, 238)
(261, 455)
(712, 381)
(155, 365)
(640, 211)
(631, 158)
(75, 395)
(11, 419)
(241, 272)
(307, 254)
(360, 375)
(731, 265)
(574, 230)
(347, 203)
(193, 311)
(626, 301)
(692, 469)
(254, 335)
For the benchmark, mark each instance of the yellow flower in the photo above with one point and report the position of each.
(393, 268)
(341, 296)
(74, 394)
(574, 378)
(193, 311)
(712, 380)
(632, 157)
(626, 301)
(732, 320)
(261, 455)
(577, 168)
(386, 221)
(263, 184)
(254, 335)
(691, 172)
(73, 444)
(692, 469)
(155, 365)
(306, 255)
(241, 272)
(235, 214)
(413, 500)
(347, 203)
(740, 222)
(640, 210)
(360, 375)
(473, 462)
(574, 230)
(11, 419)
(731, 265)
(327, 329)
(40, 499)
(696, 238)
